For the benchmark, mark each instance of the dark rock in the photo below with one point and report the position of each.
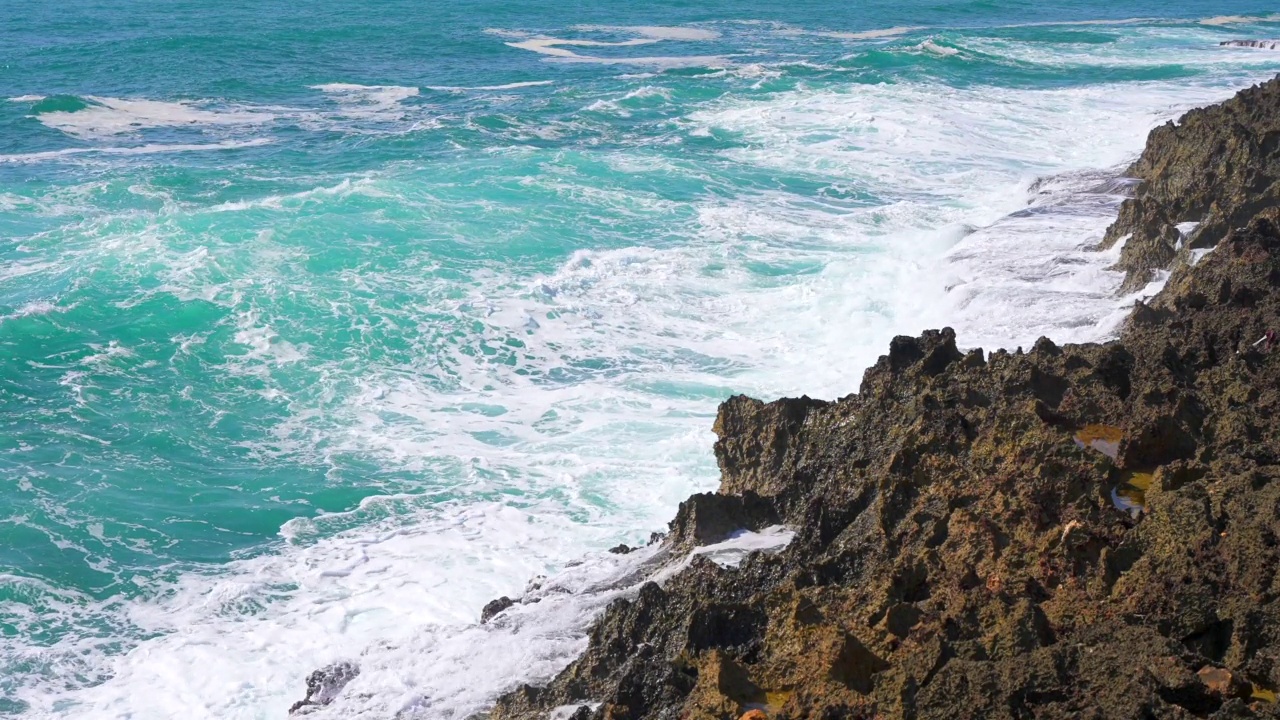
(621, 549)
(324, 684)
(494, 608)
(1262, 44)
(754, 441)
(707, 518)
(958, 550)
(1218, 166)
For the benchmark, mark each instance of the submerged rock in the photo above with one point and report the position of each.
(1262, 44)
(958, 551)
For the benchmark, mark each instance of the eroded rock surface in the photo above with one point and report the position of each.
(959, 551)
(1211, 171)
(323, 686)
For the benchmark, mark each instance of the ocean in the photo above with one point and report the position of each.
(324, 323)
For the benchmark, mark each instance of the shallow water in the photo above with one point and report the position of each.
(321, 326)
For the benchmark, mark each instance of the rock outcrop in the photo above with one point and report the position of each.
(323, 686)
(1078, 531)
(1260, 44)
(1209, 172)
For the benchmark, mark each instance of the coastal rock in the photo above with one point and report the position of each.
(1076, 531)
(1261, 44)
(494, 608)
(1211, 171)
(323, 686)
(707, 518)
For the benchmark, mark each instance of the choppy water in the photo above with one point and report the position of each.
(321, 324)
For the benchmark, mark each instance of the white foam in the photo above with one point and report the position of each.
(656, 32)
(508, 86)
(558, 48)
(367, 94)
(106, 116)
(379, 103)
(733, 550)
(27, 98)
(552, 46)
(1219, 20)
(954, 164)
(1186, 228)
(930, 46)
(1086, 23)
(308, 613)
(624, 350)
(263, 342)
(151, 149)
(35, 307)
(430, 652)
(873, 34)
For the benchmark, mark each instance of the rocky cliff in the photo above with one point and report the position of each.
(1209, 172)
(1080, 531)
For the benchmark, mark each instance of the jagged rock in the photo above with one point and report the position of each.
(1216, 166)
(706, 518)
(960, 546)
(494, 608)
(1263, 44)
(324, 684)
(754, 441)
(621, 549)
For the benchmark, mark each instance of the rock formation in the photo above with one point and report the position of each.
(323, 686)
(1209, 172)
(1260, 44)
(1080, 531)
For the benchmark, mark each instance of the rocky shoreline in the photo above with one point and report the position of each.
(1078, 531)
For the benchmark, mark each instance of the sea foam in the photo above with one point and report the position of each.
(516, 419)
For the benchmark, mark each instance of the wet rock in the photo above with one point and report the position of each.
(494, 608)
(958, 548)
(324, 684)
(1216, 167)
(707, 518)
(621, 549)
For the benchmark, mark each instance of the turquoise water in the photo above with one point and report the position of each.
(321, 324)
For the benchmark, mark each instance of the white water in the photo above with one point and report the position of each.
(400, 591)
(106, 116)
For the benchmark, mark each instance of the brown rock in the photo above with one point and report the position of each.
(959, 551)
(1216, 679)
(1217, 166)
